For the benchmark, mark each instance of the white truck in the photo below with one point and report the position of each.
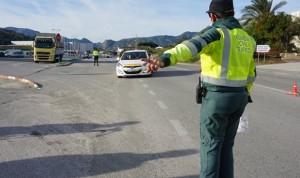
(48, 48)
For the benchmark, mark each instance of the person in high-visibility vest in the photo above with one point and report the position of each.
(227, 74)
(96, 56)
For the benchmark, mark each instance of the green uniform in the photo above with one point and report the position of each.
(96, 57)
(228, 73)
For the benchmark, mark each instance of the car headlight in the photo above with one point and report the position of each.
(145, 64)
(119, 65)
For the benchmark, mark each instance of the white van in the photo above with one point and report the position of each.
(11, 52)
(17, 54)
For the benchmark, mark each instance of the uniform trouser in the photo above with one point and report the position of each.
(219, 120)
(96, 60)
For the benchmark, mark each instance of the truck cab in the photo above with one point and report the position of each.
(46, 49)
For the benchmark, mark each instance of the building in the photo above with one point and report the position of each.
(25, 46)
(296, 39)
(296, 14)
(22, 43)
(86, 47)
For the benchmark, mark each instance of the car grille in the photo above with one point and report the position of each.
(132, 66)
(43, 55)
(133, 72)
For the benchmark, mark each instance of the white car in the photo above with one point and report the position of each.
(130, 64)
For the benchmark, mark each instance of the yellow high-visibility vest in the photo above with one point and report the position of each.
(225, 62)
(95, 53)
(231, 62)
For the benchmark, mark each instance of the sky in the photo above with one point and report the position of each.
(100, 20)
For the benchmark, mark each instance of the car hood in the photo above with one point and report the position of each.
(132, 63)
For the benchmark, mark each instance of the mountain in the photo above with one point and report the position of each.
(187, 35)
(160, 40)
(24, 31)
(84, 40)
(6, 36)
(32, 33)
(108, 44)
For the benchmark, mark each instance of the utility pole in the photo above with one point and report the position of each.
(136, 41)
(286, 46)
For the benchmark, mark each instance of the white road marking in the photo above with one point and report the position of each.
(152, 92)
(162, 105)
(178, 127)
(141, 80)
(11, 77)
(145, 85)
(271, 88)
(20, 63)
(275, 73)
(279, 73)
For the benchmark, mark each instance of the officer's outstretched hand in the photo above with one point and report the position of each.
(153, 64)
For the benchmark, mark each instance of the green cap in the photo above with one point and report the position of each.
(221, 6)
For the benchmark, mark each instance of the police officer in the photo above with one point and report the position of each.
(228, 73)
(96, 56)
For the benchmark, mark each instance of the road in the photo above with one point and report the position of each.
(85, 122)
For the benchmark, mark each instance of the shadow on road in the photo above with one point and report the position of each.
(20, 59)
(190, 176)
(91, 61)
(161, 74)
(174, 73)
(102, 73)
(56, 129)
(79, 165)
(29, 59)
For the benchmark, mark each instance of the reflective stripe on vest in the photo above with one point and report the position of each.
(192, 47)
(228, 83)
(251, 79)
(253, 43)
(226, 53)
(223, 81)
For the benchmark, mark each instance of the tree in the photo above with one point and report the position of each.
(6, 36)
(150, 44)
(258, 10)
(277, 31)
(291, 33)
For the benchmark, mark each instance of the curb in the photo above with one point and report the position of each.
(33, 84)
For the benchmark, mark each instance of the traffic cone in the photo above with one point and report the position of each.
(294, 90)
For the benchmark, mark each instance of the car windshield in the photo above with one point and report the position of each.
(43, 43)
(134, 55)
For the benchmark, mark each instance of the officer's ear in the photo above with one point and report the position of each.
(213, 17)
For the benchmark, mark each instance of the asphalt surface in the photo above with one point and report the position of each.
(85, 122)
